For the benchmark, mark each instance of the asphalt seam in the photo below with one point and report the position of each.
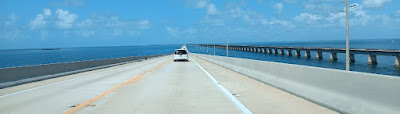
(237, 103)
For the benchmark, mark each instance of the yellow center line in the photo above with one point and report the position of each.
(158, 66)
(132, 80)
(135, 80)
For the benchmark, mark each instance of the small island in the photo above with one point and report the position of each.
(50, 49)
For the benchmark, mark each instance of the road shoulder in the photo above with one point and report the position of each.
(257, 96)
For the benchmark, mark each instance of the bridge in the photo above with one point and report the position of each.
(205, 84)
(372, 53)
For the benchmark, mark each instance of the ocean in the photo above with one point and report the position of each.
(28, 57)
(385, 63)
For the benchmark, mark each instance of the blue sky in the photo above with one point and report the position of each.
(88, 23)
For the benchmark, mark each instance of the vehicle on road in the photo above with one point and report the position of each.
(181, 55)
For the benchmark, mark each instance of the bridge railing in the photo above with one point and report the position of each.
(372, 53)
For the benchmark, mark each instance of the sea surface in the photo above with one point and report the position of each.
(28, 57)
(385, 63)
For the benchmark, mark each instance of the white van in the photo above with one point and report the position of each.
(181, 54)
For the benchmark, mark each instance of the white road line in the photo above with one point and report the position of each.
(226, 92)
(27, 90)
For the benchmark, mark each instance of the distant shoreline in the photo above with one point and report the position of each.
(50, 49)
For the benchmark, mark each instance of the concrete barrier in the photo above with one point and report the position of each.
(343, 91)
(20, 75)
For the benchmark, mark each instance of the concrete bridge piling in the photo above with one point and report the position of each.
(297, 54)
(333, 56)
(282, 52)
(372, 53)
(289, 52)
(319, 55)
(307, 54)
(269, 50)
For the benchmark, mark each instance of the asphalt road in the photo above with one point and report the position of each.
(157, 85)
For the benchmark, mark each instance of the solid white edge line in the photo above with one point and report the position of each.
(27, 90)
(23, 91)
(226, 92)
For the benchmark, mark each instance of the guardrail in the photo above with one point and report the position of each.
(372, 53)
(19, 75)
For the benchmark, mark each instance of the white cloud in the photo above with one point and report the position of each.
(133, 33)
(66, 19)
(264, 21)
(11, 19)
(176, 32)
(212, 21)
(278, 7)
(11, 33)
(117, 32)
(248, 16)
(86, 23)
(306, 17)
(197, 3)
(9, 28)
(144, 24)
(398, 12)
(281, 22)
(236, 12)
(201, 3)
(291, 1)
(40, 20)
(173, 31)
(359, 16)
(46, 12)
(249, 20)
(211, 10)
(210, 7)
(375, 3)
(68, 3)
(99, 25)
(86, 33)
(334, 17)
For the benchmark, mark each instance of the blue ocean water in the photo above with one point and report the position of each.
(27, 57)
(385, 63)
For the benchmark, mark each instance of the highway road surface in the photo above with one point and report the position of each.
(157, 85)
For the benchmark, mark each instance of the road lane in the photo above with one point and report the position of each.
(176, 87)
(60, 97)
(259, 97)
(130, 81)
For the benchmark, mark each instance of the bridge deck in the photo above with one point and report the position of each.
(387, 52)
(173, 87)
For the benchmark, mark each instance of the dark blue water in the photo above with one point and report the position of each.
(27, 57)
(385, 63)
